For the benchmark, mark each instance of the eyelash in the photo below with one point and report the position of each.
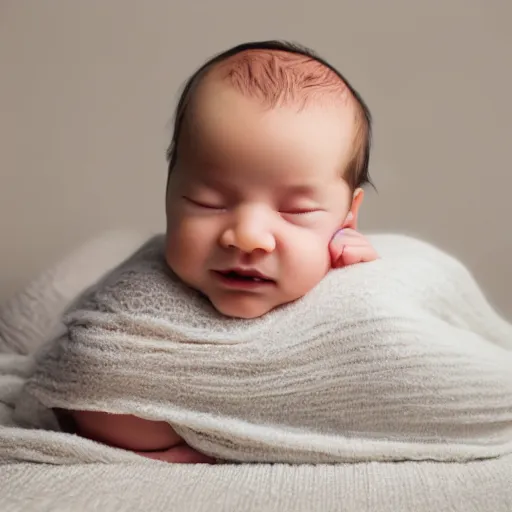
(299, 212)
(203, 205)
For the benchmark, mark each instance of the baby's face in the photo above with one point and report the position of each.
(255, 198)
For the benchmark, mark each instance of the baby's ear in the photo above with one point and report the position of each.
(352, 216)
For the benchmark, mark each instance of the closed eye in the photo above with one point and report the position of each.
(200, 204)
(300, 211)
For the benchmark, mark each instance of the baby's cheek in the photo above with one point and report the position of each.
(185, 248)
(309, 261)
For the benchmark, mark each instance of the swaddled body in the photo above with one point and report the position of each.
(346, 373)
(269, 153)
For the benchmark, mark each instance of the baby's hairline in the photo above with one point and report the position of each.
(299, 104)
(240, 72)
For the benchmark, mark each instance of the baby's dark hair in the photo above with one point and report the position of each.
(280, 72)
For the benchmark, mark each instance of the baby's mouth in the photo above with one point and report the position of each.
(244, 276)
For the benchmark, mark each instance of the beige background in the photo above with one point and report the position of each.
(87, 90)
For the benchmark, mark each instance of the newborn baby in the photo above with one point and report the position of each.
(269, 154)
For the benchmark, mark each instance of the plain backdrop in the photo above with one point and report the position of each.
(88, 88)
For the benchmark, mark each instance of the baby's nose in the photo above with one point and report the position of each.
(249, 234)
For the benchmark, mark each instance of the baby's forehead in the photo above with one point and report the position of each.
(304, 98)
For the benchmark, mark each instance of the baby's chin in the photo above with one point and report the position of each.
(244, 309)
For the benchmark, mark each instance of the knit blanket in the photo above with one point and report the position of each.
(399, 359)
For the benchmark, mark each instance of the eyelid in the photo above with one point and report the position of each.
(203, 205)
